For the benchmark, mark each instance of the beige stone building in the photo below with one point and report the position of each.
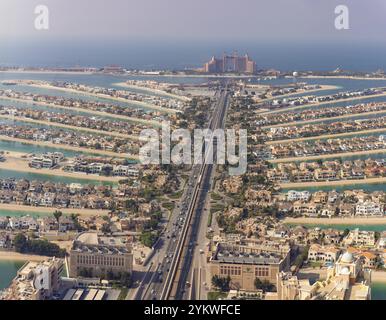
(36, 281)
(245, 263)
(97, 255)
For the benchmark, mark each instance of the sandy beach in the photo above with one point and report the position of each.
(343, 77)
(70, 148)
(16, 256)
(328, 156)
(14, 162)
(310, 105)
(378, 276)
(151, 90)
(345, 116)
(49, 72)
(103, 96)
(328, 136)
(93, 112)
(333, 183)
(66, 126)
(301, 92)
(50, 210)
(332, 221)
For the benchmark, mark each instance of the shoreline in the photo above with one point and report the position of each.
(88, 111)
(302, 93)
(378, 276)
(159, 91)
(100, 95)
(70, 127)
(21, 165)
(311, 105)
(327, 156)
(336, 221)
(70, 148)
(333, 183)
(327, 136)
(16, 256)
(302, 122)
(342, 77)
(50, 210)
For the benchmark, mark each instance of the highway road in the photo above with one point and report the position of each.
(158, 279)
(176, 284)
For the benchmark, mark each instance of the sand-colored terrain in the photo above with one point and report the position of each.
(102, 96)
(152, 90)
(310, 105)
(66, 126)
(93, 112)
(300, 92)
(15, 162)
(16, 256)
(50, 210)
(328, 136)
(303, 122)
(70, 148)
(336, 221)
(328, 156)
(343, 77)
(333, 183)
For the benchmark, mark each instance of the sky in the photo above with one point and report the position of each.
(195, 19)
(184, 26)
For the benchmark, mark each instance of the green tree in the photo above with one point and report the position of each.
(264, 285)
(20, 243)
(148, 238)
(57, 214)
(221, 283)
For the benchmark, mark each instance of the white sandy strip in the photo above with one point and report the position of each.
(152, 90)
(93, 112)
(303, 92)
(66, 126)
(327, 136)
(333, 183)
(70, 148)
(343, 77)
(302, 122)
(18, 207)
(378, 276)
(86, 73)
(16, 256)
(328, 156)
(347, 220)
(103, 96)
(21, 165)
(310, 105)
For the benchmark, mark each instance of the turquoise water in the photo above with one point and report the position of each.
(21, 213)
(370, 227)
(30, 148)
(46, 177)
(378, 291)
(361, 186)
(8, 270)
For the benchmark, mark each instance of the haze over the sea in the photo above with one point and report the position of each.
(160, 55)
(146, 34)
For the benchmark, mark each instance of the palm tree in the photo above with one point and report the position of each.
(57, 214)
